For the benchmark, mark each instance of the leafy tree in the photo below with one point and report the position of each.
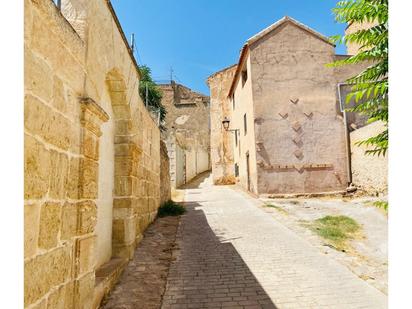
(154, 95)
(370, 87)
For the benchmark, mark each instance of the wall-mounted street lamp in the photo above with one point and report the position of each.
(226, 125)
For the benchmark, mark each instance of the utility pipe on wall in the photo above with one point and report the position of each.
(347, 135)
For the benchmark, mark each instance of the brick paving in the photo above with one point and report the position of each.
(143, 282)
(234, 255)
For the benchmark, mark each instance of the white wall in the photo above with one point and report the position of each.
(103, 247)
(180, 166)
(202, 160)
(190, 164)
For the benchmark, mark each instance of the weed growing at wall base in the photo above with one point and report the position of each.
(170, 208)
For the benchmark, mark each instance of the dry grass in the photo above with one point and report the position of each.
(336, 230)
(278, 208)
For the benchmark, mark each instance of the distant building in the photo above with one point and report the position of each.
(287, 127)
(187, 134)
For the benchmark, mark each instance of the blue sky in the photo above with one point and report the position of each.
(199, 37)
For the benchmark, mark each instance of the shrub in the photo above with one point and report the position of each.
(170, 208)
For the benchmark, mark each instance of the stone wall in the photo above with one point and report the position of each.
(81, 91)
(298, 123)
(165, 192)
(188, 131)
(353, 48)
(221, 141)
(296, 138)
(369, 172)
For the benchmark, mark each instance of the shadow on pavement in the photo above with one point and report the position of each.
(207, 272)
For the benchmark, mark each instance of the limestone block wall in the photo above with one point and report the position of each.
(81, 92)
(165, 192)
(298, 124)
(369, 173)
(221, 141)
(188, 132)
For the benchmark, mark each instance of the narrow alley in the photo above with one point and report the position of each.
(231, 254)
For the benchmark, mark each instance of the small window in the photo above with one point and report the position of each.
(236, 170)
(245, 123)
(233, 101)
(236, 141)
(244, 76)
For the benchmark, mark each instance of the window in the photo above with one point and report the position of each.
(236, 170)
(233, 101)
(236, 141)
(244, 123)
(244, 76)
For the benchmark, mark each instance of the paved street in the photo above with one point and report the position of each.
(233, 254)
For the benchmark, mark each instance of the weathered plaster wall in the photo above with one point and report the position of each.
(244, 105)
(221, 141)
(187, 123)
(68, 122)
(369, 172)
(353, 48)
(300, 133)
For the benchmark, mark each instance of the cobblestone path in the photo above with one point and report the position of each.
(142, 283)
(233, 255)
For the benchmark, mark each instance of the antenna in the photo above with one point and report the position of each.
(171, 74)
(132, 43)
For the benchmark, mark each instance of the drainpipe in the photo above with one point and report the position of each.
(347, 135)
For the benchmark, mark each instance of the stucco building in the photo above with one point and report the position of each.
(187, 134)
(288, 129)
(93, 157)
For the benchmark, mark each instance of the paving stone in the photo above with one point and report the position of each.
(143, 282)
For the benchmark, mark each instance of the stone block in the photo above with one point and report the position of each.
(123, 213)
(62, 297)
(118, 98)
(118, 231)
(124, 251)
(87, 217)
(41, 120)
(84, 252)
(123, 127)
(38, 76)
(44, 272)
(59, 100)
(83, 291)
(41, 305)
(124, 203)
(122, 111)
(58, 175)
(37, 163)
(47, 43)
(90, 145)
(89, 171)
(50, 216)
(124, 230)
(69, 221)
(72, 184)
(31, 229)
(125, 166)
(123, 185)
